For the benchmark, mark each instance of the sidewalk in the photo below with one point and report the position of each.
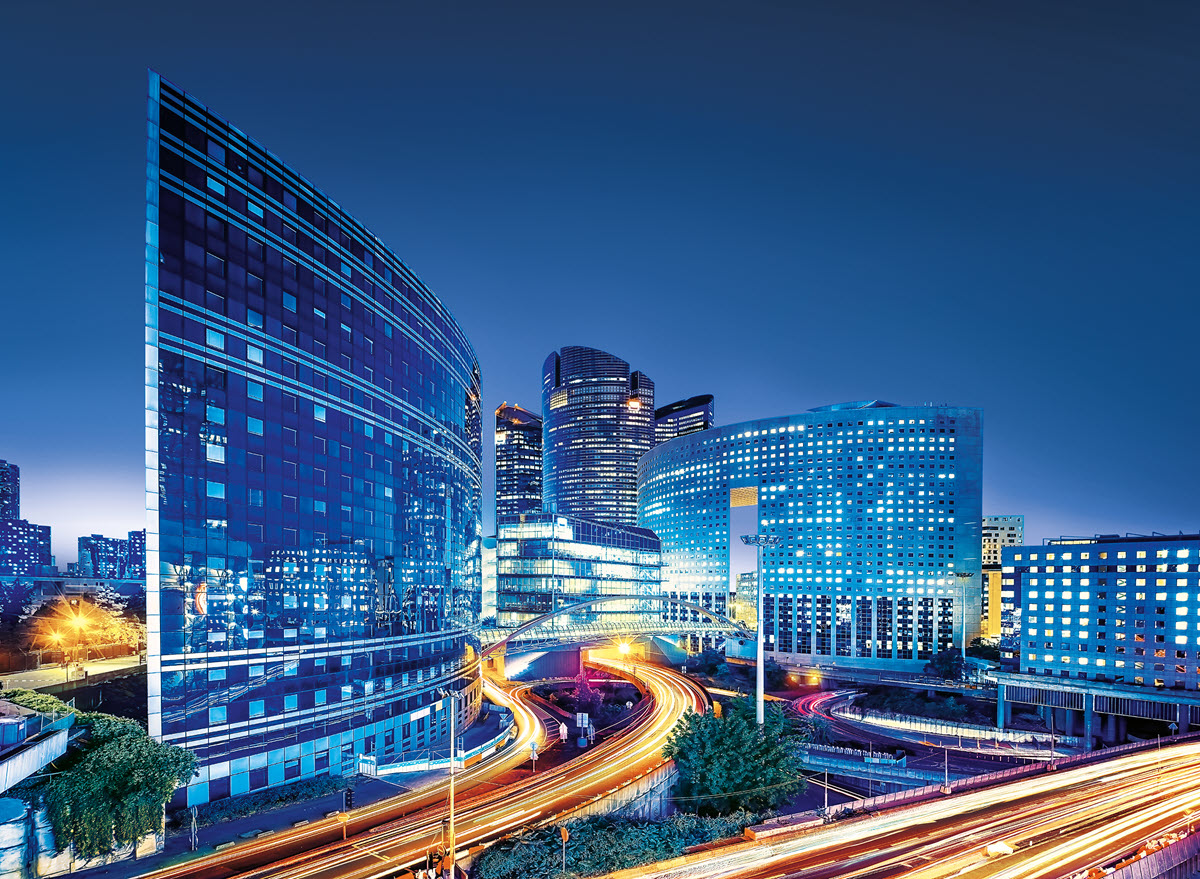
(50, 675)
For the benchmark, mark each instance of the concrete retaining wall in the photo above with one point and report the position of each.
(27, 849)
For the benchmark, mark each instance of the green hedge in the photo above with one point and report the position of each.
(603, 844)
(263, 801)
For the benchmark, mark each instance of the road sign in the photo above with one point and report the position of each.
(562, 732)
(566, 834)
(533, 748)
(1174, 728)
(581, 719)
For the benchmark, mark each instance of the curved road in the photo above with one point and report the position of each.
(399, 832)
(1058, 824)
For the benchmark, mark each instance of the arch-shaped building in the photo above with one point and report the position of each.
(314, 490)
(878, 509)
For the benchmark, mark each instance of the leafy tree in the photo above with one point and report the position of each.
(948, 665)
(709, 661)
(112, 787)
(774, 676)
(727, 763)
(980, 650)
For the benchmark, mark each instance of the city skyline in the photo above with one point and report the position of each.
(816, 187)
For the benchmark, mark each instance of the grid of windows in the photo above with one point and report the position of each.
(545, 561)
(518, 461)
(878, 508)
(598, 420)
(314, 477)
(1122, 610)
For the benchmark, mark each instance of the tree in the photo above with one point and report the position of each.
(980, 650)
(112, 787)
(774, 676)
(947, 665)
(727, 763)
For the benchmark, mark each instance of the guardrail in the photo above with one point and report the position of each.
(946, 728)
(463, 760)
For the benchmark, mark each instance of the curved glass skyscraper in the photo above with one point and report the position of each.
(878, 509)
(597, 421)
(313, 473)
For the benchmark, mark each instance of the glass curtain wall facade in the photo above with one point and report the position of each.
(879, 512)
(1121, 610)
(546, 561)
(10, 491)
(518, 461)
(684, 417)
(598, 420)
(314, 492)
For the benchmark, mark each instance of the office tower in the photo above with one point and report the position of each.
(598, 420)
(314, 479)
(24, 549)
(546, 561)
(1120, 610)
(488, 563)
(518, 461)
(135, 556)
(102, 557)
(10, 491)
(999, 532)
(743, 599)
(683, 417)
(877, 508)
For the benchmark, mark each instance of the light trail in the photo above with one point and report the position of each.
(1059, 824)
(398, 833)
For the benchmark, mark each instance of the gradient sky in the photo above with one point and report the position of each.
(784, 204)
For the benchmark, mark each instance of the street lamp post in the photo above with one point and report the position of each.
(452, 696)
(759, 541)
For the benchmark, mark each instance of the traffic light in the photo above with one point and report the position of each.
(347, 799)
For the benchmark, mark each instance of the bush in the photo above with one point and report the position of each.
(244, 805)
(111, 786)
(603, 844)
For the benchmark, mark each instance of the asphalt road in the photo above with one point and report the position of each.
(398, 833)
(1057, 824)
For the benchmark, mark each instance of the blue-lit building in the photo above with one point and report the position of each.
(683, 417)
(104, 558)
(879, 514)
(10, 491)
(1120, 610)
(313, 468)
(545, 561)
(518, 461)
(597, 421)
(25, 549)
(135, 555)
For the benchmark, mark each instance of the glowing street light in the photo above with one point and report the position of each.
(759, 541)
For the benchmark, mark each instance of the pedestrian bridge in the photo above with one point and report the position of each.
(582, 624)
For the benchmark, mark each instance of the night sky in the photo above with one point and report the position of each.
(783, 204)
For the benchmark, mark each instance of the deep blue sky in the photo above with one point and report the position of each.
(784, 204)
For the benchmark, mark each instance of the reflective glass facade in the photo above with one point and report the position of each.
(684, 417)
(10, 491)
(1123, 610)
(597, 421)
(518, 461)
(878, 509)
(313, 450)
(546, 561)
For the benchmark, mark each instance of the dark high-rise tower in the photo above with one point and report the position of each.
(518, 461)
(598, 420)
(314, 479)
(10, 491)
(683, 417)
